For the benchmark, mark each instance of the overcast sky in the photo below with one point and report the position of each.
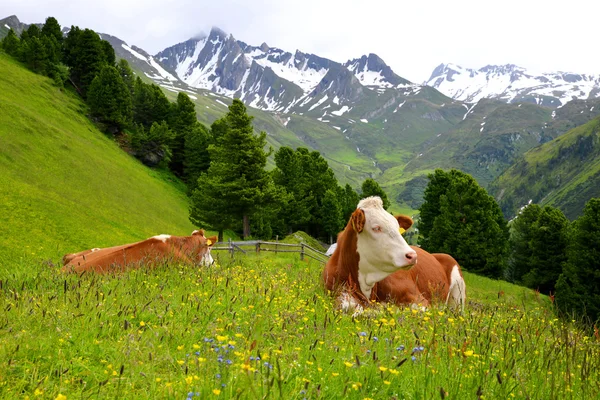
(412, 37)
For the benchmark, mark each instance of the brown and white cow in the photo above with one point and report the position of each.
(358, 266)
(194, 249)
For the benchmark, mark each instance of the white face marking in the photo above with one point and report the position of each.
(162, 238)
(381, 247)
(207, 259)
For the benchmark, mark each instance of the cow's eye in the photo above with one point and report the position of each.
(376, 229)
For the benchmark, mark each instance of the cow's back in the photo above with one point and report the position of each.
(118, 257)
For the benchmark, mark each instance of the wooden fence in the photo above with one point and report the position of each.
(276, 247)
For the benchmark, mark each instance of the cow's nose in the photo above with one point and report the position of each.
(411, 256)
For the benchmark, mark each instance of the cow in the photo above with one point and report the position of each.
(360, 271)
(194, 249)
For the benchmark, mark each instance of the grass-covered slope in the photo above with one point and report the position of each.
(263, 327)
(64, 185)
(564, 173)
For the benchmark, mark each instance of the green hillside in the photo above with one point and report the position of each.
(64, 185)
(564, 173)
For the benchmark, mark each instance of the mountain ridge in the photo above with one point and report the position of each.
(511, 83)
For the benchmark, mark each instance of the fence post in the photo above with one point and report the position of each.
(231, 250)
(276, 241)
(257, 247)
(301, 251)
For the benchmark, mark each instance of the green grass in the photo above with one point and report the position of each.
(167, 332)
(64, 185)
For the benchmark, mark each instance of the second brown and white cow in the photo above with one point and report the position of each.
(194, 249)
(359, 271)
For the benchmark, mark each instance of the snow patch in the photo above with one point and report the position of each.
(341, 110)
(318, 103)
(366, 121)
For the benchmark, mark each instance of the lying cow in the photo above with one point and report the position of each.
(373, 262)
(194, 249)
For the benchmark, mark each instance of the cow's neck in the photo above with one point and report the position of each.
(368, 276)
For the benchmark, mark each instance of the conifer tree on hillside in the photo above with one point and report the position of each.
(548, 246)
(109, 99)
(348, 200)
(150, 104)
(11, 44)
(183, 121)
(577, 287)
(371, 188)
(290, 175)
(236, 184)
(34, 54)
(521, 235)
(305, 177)
(127, 75)
(197, 158)
(85, 54)
(332, 215)
(468, 223)
(152, 146)
(52, 29)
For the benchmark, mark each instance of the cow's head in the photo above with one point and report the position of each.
(204, 246)
(380, 244)
(207, 259)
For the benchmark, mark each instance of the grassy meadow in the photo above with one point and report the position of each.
(257, 326)
(262, 326)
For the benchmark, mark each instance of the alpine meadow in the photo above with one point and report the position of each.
(104, 146)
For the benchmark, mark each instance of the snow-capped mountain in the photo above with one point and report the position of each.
(511, 83)
(273, 79)
(373, 71)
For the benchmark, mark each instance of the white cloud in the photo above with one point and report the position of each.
(411, 37)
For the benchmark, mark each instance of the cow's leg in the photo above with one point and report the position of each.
(457, 294)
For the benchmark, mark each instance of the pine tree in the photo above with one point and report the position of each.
(52, 29)
(547, 245)
(11, 44)
(372, 188)
(468, 225)
(152, 146)
(349, 201)
(149, 104)
(34, 54)
(439, 183)
(521, 235)
(109, 99)
(236, 184)
(127, 75)
(332, 215)
(197, 158)
(577, 287)
(85, 55)
(109, 53)
(183, 120)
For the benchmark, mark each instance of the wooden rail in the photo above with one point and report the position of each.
(276, 247)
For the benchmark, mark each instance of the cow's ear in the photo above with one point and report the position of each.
(211, 240)
(358, 220)
(405, 221)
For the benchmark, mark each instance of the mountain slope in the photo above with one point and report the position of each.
(564, 173)
(511, 84)
(65, 186)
